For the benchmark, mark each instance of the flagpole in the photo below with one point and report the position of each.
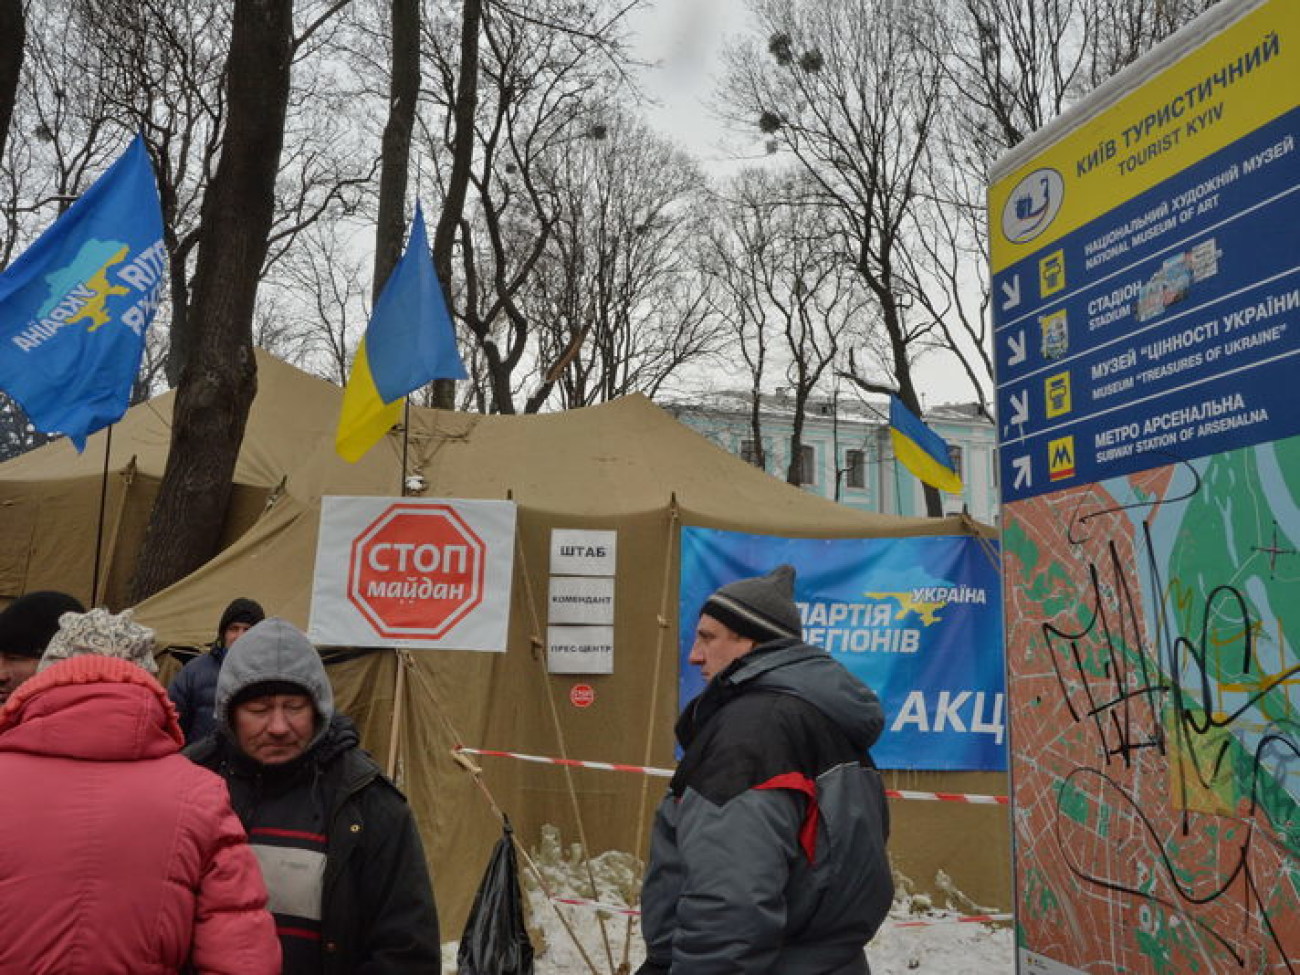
(406, 434)
(103, 504)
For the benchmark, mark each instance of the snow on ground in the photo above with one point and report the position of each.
(942, 945)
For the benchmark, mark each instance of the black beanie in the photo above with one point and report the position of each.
(240, 610)
(761, 608)
(28, 623)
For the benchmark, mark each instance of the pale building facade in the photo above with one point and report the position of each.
(847, 452)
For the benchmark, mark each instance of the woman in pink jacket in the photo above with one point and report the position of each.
(117, 854)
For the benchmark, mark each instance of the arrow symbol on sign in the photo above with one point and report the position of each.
(1020, 408)
(1011, 293)
(1024, 473)
(1017, 345)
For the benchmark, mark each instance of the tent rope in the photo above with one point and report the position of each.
(476, 773)
(674, 519)
(559, 734)
(969, 524)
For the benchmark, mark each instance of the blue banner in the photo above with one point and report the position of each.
(917, 619)
(74, 307)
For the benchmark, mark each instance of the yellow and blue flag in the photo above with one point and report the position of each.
(922, 451)
(409, 342)
(75, 306)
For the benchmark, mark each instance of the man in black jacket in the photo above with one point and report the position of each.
(194, 689)
(343, 863)
(768, 853)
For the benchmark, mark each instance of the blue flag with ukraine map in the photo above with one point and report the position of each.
(75, 306)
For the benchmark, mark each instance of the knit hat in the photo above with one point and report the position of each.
(240, 610)
(100, 632)
(761, 608)
(27, 623)
(274, 650)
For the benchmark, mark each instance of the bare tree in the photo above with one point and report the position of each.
(616, 303)
(543, 72)
(219, 378)
(792, 297)
(848, 93)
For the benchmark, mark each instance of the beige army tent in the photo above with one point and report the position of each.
(625, 465)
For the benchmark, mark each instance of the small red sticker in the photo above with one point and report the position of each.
(582, 695)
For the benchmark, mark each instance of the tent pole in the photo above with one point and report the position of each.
(399, 692)
(99, 527)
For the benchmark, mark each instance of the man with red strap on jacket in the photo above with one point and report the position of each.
(768, 853)
(118, 855)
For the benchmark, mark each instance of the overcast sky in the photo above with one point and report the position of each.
(684, 39)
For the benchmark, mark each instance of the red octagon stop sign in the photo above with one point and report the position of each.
(416, 571)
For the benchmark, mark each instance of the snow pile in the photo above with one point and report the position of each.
(574, 939)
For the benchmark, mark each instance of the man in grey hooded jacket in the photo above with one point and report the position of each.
(768, 853)
(343, 864)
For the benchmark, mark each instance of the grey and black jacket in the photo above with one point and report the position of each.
(768, 853)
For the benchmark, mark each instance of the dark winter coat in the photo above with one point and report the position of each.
(377, 910)
(768, 853)
(192, 691)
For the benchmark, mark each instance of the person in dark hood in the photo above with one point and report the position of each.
(344, 867)
(26, 626)
(768, 853)
(193, 689)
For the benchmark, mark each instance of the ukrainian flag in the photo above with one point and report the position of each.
(409, 342)
(922, 451)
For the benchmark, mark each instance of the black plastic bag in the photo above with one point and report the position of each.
(495, 941)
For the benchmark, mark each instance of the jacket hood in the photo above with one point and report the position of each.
(810, 673)
(276, 651)
(93, 708)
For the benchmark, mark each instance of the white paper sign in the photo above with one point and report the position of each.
(580, 649)
(575, 552)
(581, 599)
(419, 573)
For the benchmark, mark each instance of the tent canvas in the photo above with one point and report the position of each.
(625, 466)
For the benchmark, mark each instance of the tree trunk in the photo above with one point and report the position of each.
(13, 36)
(219, 378)
(403, 91)
(462, 156)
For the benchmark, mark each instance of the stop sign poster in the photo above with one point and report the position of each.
(418, 573)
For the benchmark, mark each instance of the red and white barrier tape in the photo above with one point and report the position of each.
(667, 773)
(946, 796)
(963, 919)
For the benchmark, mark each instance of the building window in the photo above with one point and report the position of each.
(807, 464)
(749, 453)
(855, 464)
(954, 457)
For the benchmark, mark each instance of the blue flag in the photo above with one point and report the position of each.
(409, 342)
(75, 306)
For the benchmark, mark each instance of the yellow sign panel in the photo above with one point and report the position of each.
(1051, 273)
(1222, 91)
(1056, 392)
(1060, 458)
